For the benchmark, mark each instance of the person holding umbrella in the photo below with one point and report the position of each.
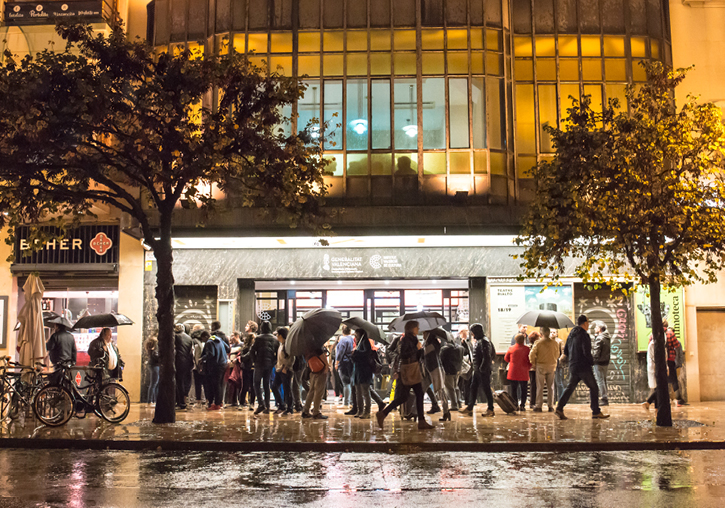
(434, 369)
(409, 376)
(104, 353)
(61, 346)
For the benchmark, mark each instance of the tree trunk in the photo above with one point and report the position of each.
(166, 401)
(664, 413)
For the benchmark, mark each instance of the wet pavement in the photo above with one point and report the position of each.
(127, 479)
(695, 425)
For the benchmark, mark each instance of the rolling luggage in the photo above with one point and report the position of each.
(505, 401)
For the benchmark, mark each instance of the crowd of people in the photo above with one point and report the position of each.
(455, 373)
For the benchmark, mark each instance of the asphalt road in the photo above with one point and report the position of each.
(455, 480)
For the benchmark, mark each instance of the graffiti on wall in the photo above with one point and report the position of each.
(196, 305)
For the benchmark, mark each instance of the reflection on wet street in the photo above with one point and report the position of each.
(127, 479)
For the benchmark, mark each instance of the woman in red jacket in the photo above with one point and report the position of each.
(518, 359)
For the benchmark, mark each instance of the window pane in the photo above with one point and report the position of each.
(546, 69)
(596, 92)
(494, 64)
(591, 69)
(434, 114)
(525, 132)
(379, 64)
(476, 38)
(404, 63)
(308, 107)
(496, 112)
(638, 45)
(257, 43)
(332, 41)
(458, 62)
(523, 69)
(433, 63)
(568, 46)
(406, 164)
(332, 65)
(566, 91)
(479, 162)
(569, 69)
(655, 49)
(309, 64)
(357, 64)
(460, 163)
(281, 64)
(617, 92)
(357, 164)
(382, 164)
(458, 112)
(434, 163)
(335, 167)
(493, 40)
(357, 114)
(406, 125)
(281, 42)
(614, 46)
(498, 163)
(404, 39)
(547, 114)
(357, 41)
(522, 46)
(545, 46)
(380, 40)
(479, 113)
(477, 62)
(308, 42)
(591, 46)
(457, 39)
(431, 39)
(333, 112)
(380, 125)
(524, 166)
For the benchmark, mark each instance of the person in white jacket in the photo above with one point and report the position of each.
(651, 379)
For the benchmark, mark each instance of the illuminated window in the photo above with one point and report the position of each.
(477, 62)
(568, 46)
(380, 64)
(546, 69)
(523, 69)
(404, 39)
(494, 64)
(281, 42)
(457, 39)
(257, 43)
(308, 64)
(522, 46)
(404, 63)
(308, 107)
(380, 121)
(431, 39)
(457, 112)
(308, 42)
(493, 40)
(332, 41)
(406, 114)
(591, 69)
(434, 163)
(615, 69)
(568, 69)
(332, 65)
(434, 113)
(476, 38)
(357, 114)
(380, 40)
(357, 41)
(357, 64)
(457, 62)
(547, 115)
(525, 131)
(496, 113)
(460, 163)
(433, 63)
(639, 46)
(591, 46)
(478, 112)
(545, 46)
(614, 46)
(333, 112)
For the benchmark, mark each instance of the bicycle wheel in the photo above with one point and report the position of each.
(113, 403)
(5, 403)
(53, 406)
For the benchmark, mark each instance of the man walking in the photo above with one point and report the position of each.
(184, 362)
(600, 354)
(543, 357)
(343, 364)
(578, 350)
(483, 354)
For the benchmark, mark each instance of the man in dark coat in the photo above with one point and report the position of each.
(61, 347)
(264, 356)
(601, 352)
(578, 350)
(184, 364)
(214, 361)
(483, 354)
(451, 356)
(104, 353)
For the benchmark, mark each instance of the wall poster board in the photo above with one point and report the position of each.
(673, 310)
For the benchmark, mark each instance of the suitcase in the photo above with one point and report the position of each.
(505, 401)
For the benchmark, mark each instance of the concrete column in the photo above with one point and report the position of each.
(245, 303)
(478, 302)
(130, 303)
(8, 287)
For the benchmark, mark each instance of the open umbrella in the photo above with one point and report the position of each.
(31, 337)
(426, 321)
(311, 331)
(371, 329)
(548, 318)
(60, 320)
(102, 321)
(441, 334)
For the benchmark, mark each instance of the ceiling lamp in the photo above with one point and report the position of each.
(359, 126)
(411, 130)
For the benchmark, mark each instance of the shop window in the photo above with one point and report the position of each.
(568, 45)
(494, 64)
(357, 164)
(498, 163)
(523, 69)
(615, 69)
(380, 121)
(433, 63)
(478, 112)
(380, 64)
(434, 114)
(591, 69)
(591, 45)
(357, 64)
(545, 46)
(308, 42)
(638, 46)
(457, 62)
(613, 46)
(568, 69)
(479, 162)
(332, 41)
(477, 62)
(406, 116)
(380, 40)
(547, 115)
(476, 38)
(333, 112)
(309, 12)
(522, 46)
(381, 164)
(431, 39)
(281, 42)
(308, 107)
(460, 163)
(332, 65)
(546, 69)
(404, 40)
(457, 112)
(309, 65)
(434, 163)
(525, 132)
(257, 43)
(496, 113)
(336, 165)
(357, 41)
(357, 114)
(404, 63)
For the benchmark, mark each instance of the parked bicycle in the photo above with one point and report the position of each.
(18, 386)
(62, 398)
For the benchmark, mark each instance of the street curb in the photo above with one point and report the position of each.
(354, 447)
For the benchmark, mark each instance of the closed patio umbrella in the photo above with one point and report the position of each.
(31, 336)
(310, 332)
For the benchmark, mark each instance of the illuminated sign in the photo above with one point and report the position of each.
(49, 12)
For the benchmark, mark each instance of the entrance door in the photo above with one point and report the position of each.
(711, 347)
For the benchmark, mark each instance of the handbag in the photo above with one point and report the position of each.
(410, 373)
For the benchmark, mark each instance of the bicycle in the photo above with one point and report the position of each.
(61, 399)
(18, 386)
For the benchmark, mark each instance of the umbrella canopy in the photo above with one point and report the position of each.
(441, 334)
(102, 321)
(311, 331)
(60, 320)
(426, 320)
(31, 337)
(546, 318)
(371, 329)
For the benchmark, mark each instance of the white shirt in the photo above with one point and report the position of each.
(112, 358)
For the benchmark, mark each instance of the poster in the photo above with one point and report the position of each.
(673, 310)
(508, 303)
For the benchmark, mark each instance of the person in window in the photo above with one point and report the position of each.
(61, 347)
(405, 167)
(104, 353)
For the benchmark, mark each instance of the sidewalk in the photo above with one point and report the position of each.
(696, 426)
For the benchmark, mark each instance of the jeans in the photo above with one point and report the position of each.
(481, 380)
(362, 398)
(198, 385)
(247, 387)
(545, 376)
(672, 379)
(153, 383)
(318, 383)
(401, 396)
(261, 377)
(451, 389)
(532, 384)
(518, 392)
(600, 374)
(183, 384)
(285, 381)
(587, 376)
(213, 386)
(560, 380)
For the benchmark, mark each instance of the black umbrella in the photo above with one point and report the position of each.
(426, 321)
(371, 329)
(441, 334)
(59, 320)
(311, 331)
(546, 318)
(102, 321)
